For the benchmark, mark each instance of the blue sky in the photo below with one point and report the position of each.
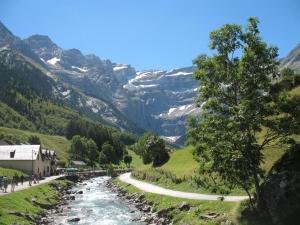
(159, 34)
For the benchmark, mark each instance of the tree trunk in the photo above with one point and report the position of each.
(257, 187)
(250, 198)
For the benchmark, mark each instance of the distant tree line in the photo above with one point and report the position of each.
(96, 143)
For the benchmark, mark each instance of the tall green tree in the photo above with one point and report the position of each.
(107, 154)
(78, 148)
(92, 152)
(152, 149)
(235, 83)
(127, 160)
(84, 149)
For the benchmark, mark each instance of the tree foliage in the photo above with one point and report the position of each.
(127, 160)
(152, 149)
(83, 149)
(99, 133)
(34, 140)
(108, 154)
(236, 104)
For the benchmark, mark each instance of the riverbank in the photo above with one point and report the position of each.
(30, 206)
(160, 209)
(92, 201)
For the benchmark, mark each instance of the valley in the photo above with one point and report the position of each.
(223, 131)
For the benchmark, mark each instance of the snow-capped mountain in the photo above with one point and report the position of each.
(166, 98)
(40, 53)
(155, 100)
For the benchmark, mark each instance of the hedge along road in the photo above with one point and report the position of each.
(126, 177)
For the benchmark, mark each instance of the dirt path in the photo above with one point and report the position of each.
(179, 194)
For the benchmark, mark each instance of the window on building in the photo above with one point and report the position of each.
(12, 154)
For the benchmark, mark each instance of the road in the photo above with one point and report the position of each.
(126, 177)
(25, 185)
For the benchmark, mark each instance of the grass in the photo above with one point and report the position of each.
(137, 162)
(295, 91)
(182, 162)
(21, 202)
(11, 172)
(180, 173)
(57, 143)
(225, 210)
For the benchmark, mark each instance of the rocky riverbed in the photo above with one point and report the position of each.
(92, 201)
(99, 201)
(137, 200)
(150, 215)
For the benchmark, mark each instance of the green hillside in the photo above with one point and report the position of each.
(182, 162)
(11, 118)
(58, 143)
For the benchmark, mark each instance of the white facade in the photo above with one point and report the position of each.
(27, 158)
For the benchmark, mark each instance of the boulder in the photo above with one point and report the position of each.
(279, 197)
(184, 206)
(164, 212)
(76, 219)
(209, 216)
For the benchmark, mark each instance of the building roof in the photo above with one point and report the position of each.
(78, 163)
(2, 142)
(19, 152)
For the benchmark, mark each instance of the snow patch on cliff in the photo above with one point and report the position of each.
(53, 61)
(84, 69)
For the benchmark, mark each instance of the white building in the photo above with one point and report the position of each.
(28, 158)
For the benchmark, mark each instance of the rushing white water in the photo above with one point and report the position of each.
(97, 205)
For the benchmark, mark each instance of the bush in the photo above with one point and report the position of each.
(152, 149)
(34, 140)
(127, 160)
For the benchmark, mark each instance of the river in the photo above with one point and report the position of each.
(97, 205)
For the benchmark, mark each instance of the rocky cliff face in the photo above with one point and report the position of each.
(280, 193)
(293, 59)
(158, 101)
(166, 99)
(55, 66)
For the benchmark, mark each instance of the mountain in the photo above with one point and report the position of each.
(155, 100)
(292, 60)
(166, 98)
(115, 93)
(30, 68)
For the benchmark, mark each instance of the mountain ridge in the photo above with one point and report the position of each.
(155, 100)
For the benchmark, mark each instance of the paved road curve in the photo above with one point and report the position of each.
(25, 185)
(179, 194)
